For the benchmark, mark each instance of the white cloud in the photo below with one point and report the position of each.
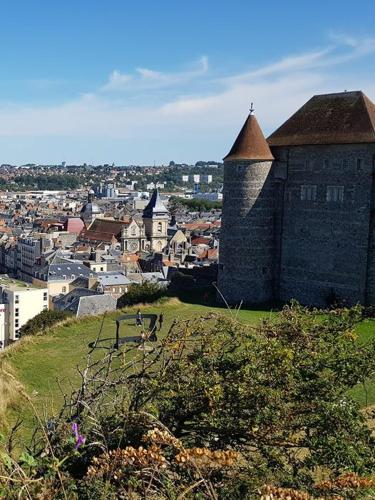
(144, 78)
(117, 81)
(196, 112)
(150, 74)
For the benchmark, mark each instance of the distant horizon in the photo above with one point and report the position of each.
(137, 84)
(85, 164)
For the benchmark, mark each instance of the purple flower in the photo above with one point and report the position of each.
(79, 439)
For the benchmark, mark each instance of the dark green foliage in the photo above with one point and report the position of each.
(42, 321)
(195, 204)
(275, 395)
(146, 292)
(48, 181)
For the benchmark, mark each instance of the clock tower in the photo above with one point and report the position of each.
(155, 219)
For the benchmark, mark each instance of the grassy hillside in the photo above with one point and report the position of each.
(45, 365)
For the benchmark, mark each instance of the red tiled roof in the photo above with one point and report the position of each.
(200, 240)
(88, 235)
(131, 257)
(74, 225)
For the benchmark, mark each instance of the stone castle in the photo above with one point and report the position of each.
(299, 208)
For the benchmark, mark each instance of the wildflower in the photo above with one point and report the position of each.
(79, 438)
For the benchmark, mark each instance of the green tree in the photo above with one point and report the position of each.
(42, 321)
(145, 292)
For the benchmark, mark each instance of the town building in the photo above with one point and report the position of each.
(19, 302)
(299, 208)
(156, 219)
(90, 210)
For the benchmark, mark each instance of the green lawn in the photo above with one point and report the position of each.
(42, 363)
(45, 363)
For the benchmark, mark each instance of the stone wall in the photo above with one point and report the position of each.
(247, 233)
(324, 244)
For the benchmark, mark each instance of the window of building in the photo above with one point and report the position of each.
(326, 163)
(102, 268)
(160, 227)
(63, 289)
(16, 312)
(308, 193)
(359, 163)
(16, 322)
(16, 299)
(307, 163)
(45, 295)
(345, 163)
(335, 193)
(45, 308)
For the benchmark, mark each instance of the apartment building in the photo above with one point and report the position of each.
(20, 302)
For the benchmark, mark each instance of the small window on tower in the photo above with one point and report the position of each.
(335, 194)
(308, 193)
(160, 227)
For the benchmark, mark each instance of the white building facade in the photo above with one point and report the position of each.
(19, 302)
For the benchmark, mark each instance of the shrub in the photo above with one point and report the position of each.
(146, 292)
(215, 410)
(42, 321)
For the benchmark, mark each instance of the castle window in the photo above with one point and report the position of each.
(359, 163)
(160, 227)
(345, 163)
(307, 163)
(308, 193)
(326, 163)
(335, 193)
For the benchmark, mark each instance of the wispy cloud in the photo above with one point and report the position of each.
(143, 78)
(192, 109)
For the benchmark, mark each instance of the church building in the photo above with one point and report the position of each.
(299, 208)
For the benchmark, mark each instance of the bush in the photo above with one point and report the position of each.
(42, 321)
(146, 292)
(216, 410)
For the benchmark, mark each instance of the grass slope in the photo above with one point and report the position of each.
(44, 364)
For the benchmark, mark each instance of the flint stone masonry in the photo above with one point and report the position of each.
(279, 243)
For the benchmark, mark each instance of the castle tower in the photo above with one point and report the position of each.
(156, 220)
(246, 260)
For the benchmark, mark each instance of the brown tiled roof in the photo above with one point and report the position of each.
(200, 240)
(89, 235)
(343, 118)
(250, 143)
(132, 257)
(108, 226)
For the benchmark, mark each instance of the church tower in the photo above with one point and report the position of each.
(156, 219)
(246, 260)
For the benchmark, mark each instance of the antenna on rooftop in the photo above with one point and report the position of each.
(251, 108)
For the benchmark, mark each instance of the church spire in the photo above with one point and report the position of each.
(250, 143)
(155, 206)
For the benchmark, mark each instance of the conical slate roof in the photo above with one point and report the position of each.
(250, 143)
(341, 118)
(155, 206)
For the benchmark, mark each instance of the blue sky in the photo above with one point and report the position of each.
(138, 82)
